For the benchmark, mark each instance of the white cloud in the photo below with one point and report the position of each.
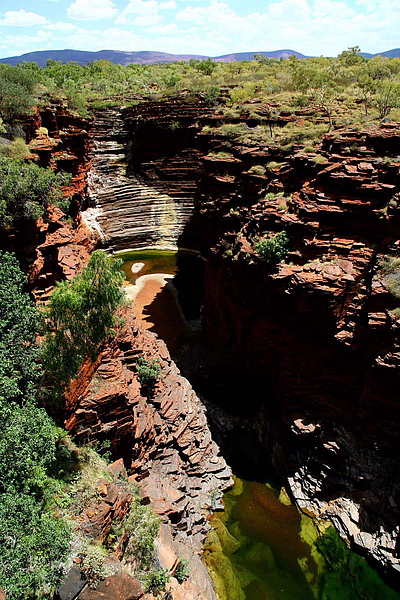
(113, 38)
(21, 18)
(139, 8)
(147, 20)
(91, 10)
(213, 27)
(21, 44)
(168, 4)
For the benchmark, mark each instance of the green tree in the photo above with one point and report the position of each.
(351, 56)
(81, 315)
(19, 369)
(27, 190)
(207, 66)
(33, 542)
(16, 91)
(387, 96)
(32, 545)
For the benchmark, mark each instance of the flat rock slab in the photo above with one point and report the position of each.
(72, 586)
(116, 587)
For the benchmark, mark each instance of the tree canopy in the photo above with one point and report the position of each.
(80, 316)
(32, 541)
(27, 190)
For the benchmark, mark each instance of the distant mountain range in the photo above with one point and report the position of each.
(146, 57)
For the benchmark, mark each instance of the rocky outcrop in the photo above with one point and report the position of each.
(56, 248)
(50, 251)
(163, 438)
(313, 342)
(116, 587)
(145, 168)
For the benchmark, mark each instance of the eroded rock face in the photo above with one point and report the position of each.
(55, 249)
(116, 587)
(145, 168)
(313, 341)
(163, 437)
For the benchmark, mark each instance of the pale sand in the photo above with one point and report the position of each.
(155, 304)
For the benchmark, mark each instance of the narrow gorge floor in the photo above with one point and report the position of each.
(260, 547)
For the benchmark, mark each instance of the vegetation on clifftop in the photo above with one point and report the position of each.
(27, 191)
(326, 93)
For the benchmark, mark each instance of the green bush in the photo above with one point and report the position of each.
(257, 170)
(94, 565)
(16, 91)
(27, 190)
(16, 149)
(148, 372)
(33, 542)
(390, 272)
(155, 581)
(32, 546)
(182, 571)
(80, 316)
(273, 250)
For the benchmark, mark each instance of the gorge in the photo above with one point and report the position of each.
(301, 358)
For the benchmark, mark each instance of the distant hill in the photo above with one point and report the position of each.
(147, 57)
(115, 56)
(125, 58)
(250, 55)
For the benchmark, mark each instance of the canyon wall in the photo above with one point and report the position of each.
(164, 439)
(55, 248)
(308, 352)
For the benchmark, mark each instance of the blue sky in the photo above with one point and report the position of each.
(211, 27)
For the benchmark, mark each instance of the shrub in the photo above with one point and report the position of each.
(33, 542)
(257, 170)
(390, 269)
(155, 581)
(27, 190)
(182, 571)
(32, 546)
(148, 373)
(16, 149)
(273, 165)
(16, 91)
(19, 370)
(94, 565)
(80, 316)
(141, 527)
(231, 131)
(211, 95)
(273, 250)
(318, 159)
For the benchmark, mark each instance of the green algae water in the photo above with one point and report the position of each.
(262, 548)
(154, 261)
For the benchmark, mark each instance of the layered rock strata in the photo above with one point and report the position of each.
(163, 438)
(145, 168)
(129, 214)
(313, 342)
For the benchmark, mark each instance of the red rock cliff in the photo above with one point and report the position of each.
(312, 345)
